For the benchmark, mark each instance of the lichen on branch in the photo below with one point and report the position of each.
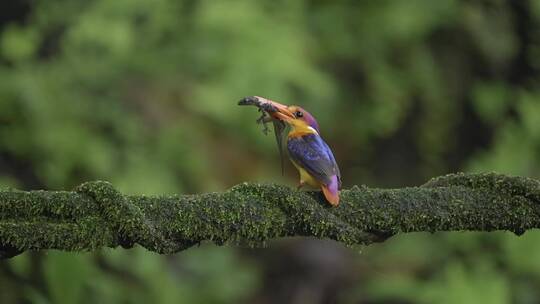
(96, 215)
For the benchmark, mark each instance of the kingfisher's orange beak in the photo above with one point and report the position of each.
(280, 111)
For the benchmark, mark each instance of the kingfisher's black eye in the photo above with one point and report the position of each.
(298, 114)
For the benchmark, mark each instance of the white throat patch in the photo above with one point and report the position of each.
(313, 129)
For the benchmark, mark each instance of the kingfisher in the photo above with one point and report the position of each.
(307, 151)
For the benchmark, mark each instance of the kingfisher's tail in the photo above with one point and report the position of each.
(331, 191)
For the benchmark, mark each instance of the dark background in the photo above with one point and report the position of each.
(143, 94)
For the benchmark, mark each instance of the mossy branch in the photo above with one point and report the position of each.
(96, 215)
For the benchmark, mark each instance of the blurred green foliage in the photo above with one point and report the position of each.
(143, 94)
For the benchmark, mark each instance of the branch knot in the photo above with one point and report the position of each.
(127, 219)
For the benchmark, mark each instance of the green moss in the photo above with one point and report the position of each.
(96, 215)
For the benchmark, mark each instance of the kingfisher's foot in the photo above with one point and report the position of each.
(300, 186)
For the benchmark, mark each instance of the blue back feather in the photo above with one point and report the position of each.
(313, 155)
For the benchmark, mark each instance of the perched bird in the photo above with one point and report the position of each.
(307, 150)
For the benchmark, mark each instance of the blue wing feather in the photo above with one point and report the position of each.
(313, 155)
